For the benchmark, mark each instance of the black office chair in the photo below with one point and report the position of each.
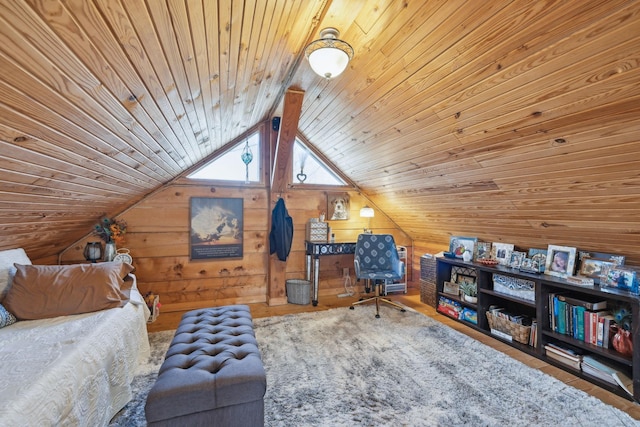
(376, 259)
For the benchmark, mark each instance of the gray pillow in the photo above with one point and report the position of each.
(6, 318)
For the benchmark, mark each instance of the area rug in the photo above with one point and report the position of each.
(344, 367)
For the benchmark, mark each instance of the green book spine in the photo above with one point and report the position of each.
(562, 318)
(580, 320)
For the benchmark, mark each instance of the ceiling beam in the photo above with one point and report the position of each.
(286, 138)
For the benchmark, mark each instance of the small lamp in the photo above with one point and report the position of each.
(93, 251)
(367, 212)
(328, 56)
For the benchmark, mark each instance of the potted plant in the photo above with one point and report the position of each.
(470, 291)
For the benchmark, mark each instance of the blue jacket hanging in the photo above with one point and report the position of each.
(281, 234)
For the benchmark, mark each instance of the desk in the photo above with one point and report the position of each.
(318, 249)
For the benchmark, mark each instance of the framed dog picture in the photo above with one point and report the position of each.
(338, 206)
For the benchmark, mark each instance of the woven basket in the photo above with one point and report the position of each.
(517, 332)
(298, 291)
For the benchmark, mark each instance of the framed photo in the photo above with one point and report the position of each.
(215, 228)
(560, 261)
(595, 261)
(338, 206)
(451, 288)
(463, 278)
(595, 267)
(516, 259)
(538, 259)
(483, 250)
(459, 245)
(501, 252)
(621, 278)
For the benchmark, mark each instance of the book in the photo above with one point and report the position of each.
(563, 356)
(608, 372)
(579, 316)
(562, 319)
(588, 302)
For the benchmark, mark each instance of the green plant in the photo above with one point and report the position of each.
(469, 289)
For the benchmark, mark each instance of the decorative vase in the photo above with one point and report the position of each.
(470, 299)
(109, 251)
(622, 342)
(466, 256)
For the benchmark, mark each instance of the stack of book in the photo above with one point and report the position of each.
(565, 355)
(581, 318)
(607, 372)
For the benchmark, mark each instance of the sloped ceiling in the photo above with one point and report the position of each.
(508, 120)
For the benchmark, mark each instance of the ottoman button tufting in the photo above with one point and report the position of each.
(221, 342)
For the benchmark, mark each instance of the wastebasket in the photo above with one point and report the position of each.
(298, 291)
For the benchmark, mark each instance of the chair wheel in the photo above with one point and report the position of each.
(377, 316)
(403, 310)
(351, 308)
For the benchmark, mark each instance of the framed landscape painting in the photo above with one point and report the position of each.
(215, 228)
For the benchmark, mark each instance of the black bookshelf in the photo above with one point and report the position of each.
(539, 311)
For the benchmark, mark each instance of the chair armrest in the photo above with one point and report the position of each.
(356, 267)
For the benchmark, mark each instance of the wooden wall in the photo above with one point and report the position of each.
(158, 240)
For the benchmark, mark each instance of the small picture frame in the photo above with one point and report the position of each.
(463, 278)
(516, 259)
(338, 207)
(501, 252)
(451, 288)
(458, 245)
(594, 267)
(483, 250)
(538, 259)
(622, 278)
(560, 261)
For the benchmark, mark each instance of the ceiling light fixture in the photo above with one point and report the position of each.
(328, 56)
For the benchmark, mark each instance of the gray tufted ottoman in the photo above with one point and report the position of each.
(212, 374)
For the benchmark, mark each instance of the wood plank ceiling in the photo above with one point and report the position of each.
(508, 120)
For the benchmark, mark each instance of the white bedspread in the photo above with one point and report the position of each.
(71, 370)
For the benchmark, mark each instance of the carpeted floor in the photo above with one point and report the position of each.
(343, 367)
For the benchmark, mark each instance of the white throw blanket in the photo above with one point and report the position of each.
(71, 370)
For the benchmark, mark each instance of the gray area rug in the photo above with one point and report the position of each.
(344, 367)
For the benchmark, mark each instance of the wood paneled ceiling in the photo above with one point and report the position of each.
(507, 120)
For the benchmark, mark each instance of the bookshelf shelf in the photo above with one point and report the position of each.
(542, 314)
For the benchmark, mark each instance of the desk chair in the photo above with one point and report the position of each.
(376, 259)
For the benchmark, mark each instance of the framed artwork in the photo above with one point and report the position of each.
(459, 245)
(501, 252)
(463, 278)
(483, 250)
(451, 288)
(516, 259)
(215, 228)
(560, 261)
(538, 259)
(338, 206)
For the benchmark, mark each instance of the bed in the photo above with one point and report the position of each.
(68, 370)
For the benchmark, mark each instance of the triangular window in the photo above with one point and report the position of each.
(308, 169)
(239, 163)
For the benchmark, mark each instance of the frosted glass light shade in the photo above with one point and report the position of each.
(329, 56)
(367, 212)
